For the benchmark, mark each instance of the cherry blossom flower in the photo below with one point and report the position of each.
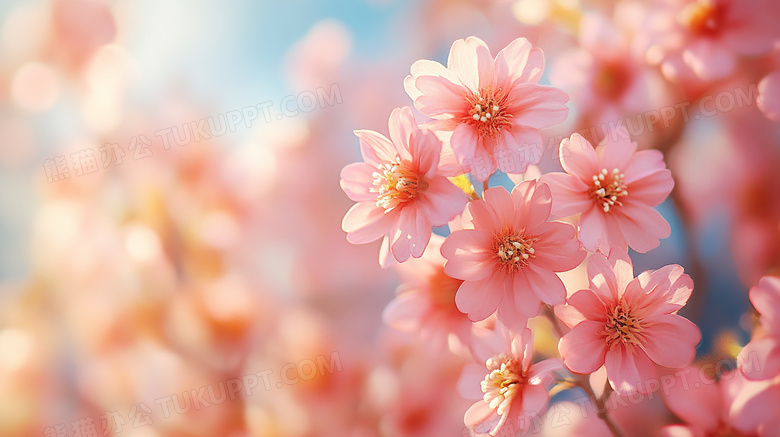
(615, 190)
(425, 300)
(627, 323)
(703, 39)
(509, 259)
(603, 79)
(489, 109)
(399, 189)
(730, 406)
(760, 359)
(513, 392)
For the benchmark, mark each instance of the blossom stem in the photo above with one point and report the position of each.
(550, 314)
(601, 403)
(485, 186)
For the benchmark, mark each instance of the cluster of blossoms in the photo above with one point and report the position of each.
(499, 266)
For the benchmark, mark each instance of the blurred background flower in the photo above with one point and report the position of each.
(172, 261)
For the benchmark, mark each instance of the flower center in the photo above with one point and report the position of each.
(611, 80)
(488, 113)
(443, 289)
(607, 188)
(396, 183)
(506, 377)
(513, 250)
(621, 326)
(702, 17)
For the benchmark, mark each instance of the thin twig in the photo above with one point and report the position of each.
(582, 382)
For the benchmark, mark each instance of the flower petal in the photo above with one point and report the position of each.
(583, 349)
(578, 157)
(670, 340)
(366, 222)
(466, 254)
(480, 299)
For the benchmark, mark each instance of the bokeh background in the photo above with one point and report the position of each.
(157, 268)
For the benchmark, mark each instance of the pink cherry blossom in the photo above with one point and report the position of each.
(509, 259)
(513, 392)
(627, 324)
(769, 96)
(730, 406)
(703, 39)
(615, 189)
(400, 192)
(425, 300)
(605, 82)
(760, 359)
(489, 109)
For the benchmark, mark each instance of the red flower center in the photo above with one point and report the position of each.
(488, 113)
(608, 188)
(621, 326)
(513, 250)
(396, 183)
(702, 17)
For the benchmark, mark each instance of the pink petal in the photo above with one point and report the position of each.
(357, 180)
(546, 285)
(617, 149)
(583, 349)
(760, 359)
(569, 194)
(479, 299)
(670, 340)
(509, 315)
(569, 315)
(469, 382)
(538, 106)
(425, 67)
(519, 148)
(644, 163)
(602, 278)
(642, 226)
(535, 400)
(443, 200)
(440, 96)
(526, 301)
(557, 250)
(375, 148)
(696, 401)
(541, 373)
(519, 63)
(589, 305)
(765, 297)
(652, 189)
(754, 405)
(401, 124)
(681, 431)
(365, 222)
(478, 413)
(483, 216)
(500, 201)
(405, 311)
(471, 61)
(628, 371)
(578, 157)
(425, 149)
(466, 255)
(709, 59)
(592, 230)
(533, 203)
(769, 96)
